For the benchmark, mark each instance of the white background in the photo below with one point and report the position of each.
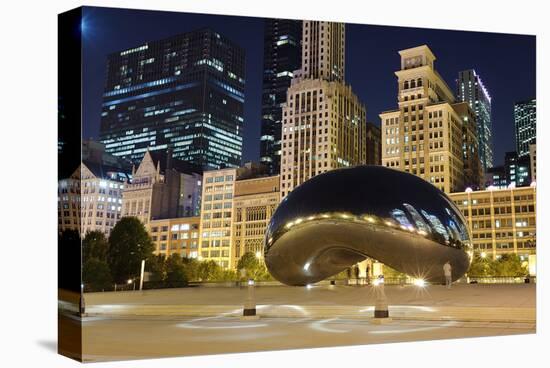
(28, 118)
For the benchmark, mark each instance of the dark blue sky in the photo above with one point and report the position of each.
(505, 62)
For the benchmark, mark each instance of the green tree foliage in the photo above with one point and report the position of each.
(250, 264)
(175, 269)
(157, 267)
(480, 266)
(129, 244)
(508, 265)
(191, 268)
(209, 271)
(96, 275)
(94, 245)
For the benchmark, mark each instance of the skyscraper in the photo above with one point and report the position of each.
(373, 145)
(518, 170)
(324, 123)
(525, 119)
(428, 135)
(184, 92)
(282, 56)
(471, 89)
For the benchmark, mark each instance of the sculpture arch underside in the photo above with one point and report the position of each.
(339, 218)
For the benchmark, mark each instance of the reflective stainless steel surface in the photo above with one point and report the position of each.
(339, 218)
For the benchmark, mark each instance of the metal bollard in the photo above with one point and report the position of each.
(381, 313)
(249, 309)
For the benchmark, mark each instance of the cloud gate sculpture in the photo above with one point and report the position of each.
(339, 218)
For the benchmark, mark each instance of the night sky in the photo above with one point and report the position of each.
(506, 63)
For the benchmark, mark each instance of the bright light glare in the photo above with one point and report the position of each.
(309, 286)
(420, 282)
(483, 254)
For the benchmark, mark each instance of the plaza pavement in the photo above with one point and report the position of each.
(514, 303)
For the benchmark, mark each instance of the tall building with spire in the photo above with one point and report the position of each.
(324, 123)
(282, 56)
(470, 89)
(429, 134)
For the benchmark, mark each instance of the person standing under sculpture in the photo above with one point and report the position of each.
(447, 270)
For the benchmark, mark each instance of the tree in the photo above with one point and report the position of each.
(209, 271)
(480, 266)
(129, 244)
(175, 270)
(96, 274)
(191, 268)
(251, 264)
(157, 267)
(94, 245)
(508, 265)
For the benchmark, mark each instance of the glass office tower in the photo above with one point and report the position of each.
(184, 92)
(282, 56)
(470, 89)
(525, 119)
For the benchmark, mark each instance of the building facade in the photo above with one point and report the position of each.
(162, 188)
(496, 177)
(184, 92)
(91, 198)
(282, 56)
(176, 236)
(533, 160)
(235, 207)
(373, 145)
(215, 236)
(500, 220)
(324, 123)
(254, 203)
(518, 170)
(424, 136)
(470, 89)
(525, 120)
(473, 168)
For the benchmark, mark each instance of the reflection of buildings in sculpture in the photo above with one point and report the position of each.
(254, 202)
(217, 215)
(175, 235)
(500, 220)
(161, 188)
(324, 123)
(424, 136)
(317, 231)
